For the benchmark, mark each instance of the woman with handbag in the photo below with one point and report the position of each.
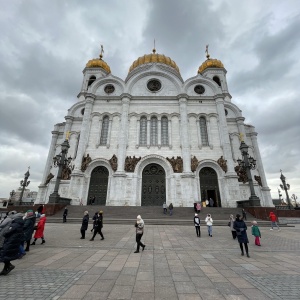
(39, 230)
(230, 224)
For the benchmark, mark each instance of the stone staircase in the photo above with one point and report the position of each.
(152, 215)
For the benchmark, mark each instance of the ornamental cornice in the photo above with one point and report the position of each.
(240, 119)
(219, 97)
(71, 118)
(89, 96)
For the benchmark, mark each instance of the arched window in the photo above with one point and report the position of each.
(153, 132)
(143, 131)
(217, 80)
(91, 80)
(203, 131)
(104, 131)
(164, 132)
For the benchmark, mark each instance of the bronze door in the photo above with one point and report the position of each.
(209, 185)
(98, 185)
(153, 186)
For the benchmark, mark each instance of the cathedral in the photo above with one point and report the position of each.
(154, 138)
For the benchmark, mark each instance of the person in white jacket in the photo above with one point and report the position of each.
(209, 221)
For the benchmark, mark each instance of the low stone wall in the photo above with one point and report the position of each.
(263, 212)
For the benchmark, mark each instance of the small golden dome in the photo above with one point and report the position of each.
(154, 58)
(98, 63)
(210, 63)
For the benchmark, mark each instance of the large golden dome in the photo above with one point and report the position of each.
(98, 62)
(210, 63)
(154, 58)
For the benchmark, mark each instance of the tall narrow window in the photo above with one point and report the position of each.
(153, 135)
(104, 131)
(91, 80)
(143, 131)
(164, 132)
(203, 130)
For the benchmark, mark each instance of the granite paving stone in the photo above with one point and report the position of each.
(174, 265)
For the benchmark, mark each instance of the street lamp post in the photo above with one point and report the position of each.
(12, 193)
(247, 164)
(24, 183)
(60, 161)
(285, 186)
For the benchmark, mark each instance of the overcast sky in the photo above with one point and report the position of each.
(45, 45)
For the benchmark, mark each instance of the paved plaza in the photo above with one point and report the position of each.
(175, 265)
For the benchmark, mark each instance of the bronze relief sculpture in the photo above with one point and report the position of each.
(49, 177)
(131, 162)
(241, 173)
(176, 163)
(114, 163)
(258, 179)
(194, 163)
(222, 163)
(85, 162)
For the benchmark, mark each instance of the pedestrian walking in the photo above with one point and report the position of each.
(230, 224)
(197, 225)
(39, 232)
(11, 237)
(241, 231)
(171, 209)
(244, 215)
(85, 224)
(273, 220)
(65, 215)
(165, 208)
(256, 233)
(98, 225)
(139, 233)
(93, 200)
(94, 221)
(198, 207)
(209, 221)
(206, 203)
(29, 223)
(211, 202)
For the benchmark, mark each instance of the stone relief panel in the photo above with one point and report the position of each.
(114, 162)
(222, 163)
(194, 163)
(131, 162)
(176, 163)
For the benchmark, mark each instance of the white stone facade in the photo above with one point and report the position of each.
(177, 101)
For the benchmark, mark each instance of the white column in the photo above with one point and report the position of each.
(148, 131)
(109, 132)
(170, 132)
(209, 133)
(159, 132)
(241, 126)
(123, 135)
(225, 136)
(99, 133)
(51, 153)
(84, 133)
(186, 155)
(137, 133)
(69, 120)
(199, 134)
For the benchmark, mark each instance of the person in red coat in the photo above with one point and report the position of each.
(273, 220)
(39, 233)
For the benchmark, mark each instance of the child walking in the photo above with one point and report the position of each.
(256, 233)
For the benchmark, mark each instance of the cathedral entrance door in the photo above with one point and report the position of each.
(153, 185)
(98, 185)
(209, 185)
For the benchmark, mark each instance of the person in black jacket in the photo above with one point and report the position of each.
(98, 226)
(85, 223)
(13, 237)
(28, 228)
(197, 225)
(65, 215)
(241, 231)
(94, 220)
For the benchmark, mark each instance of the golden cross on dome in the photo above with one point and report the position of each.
(102, 51)
(206, 51)
(241, 137)
(154, 50)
